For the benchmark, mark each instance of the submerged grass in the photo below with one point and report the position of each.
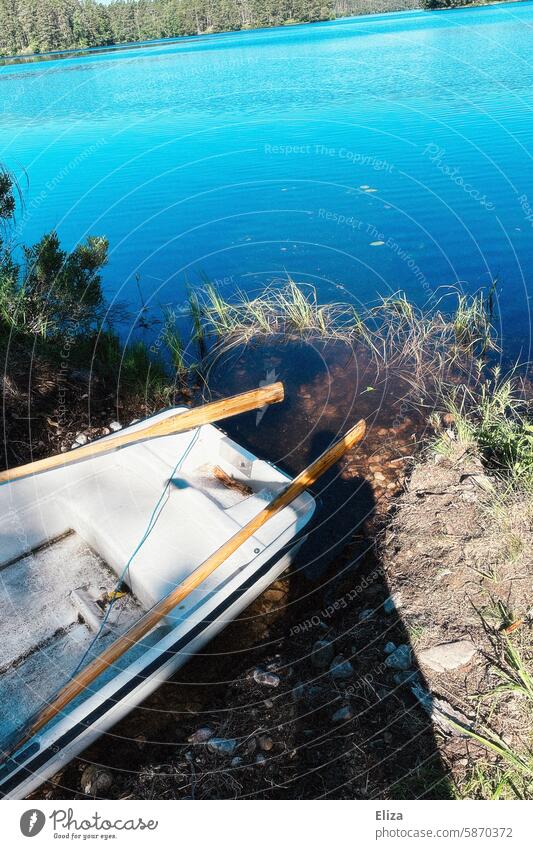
(426, 347)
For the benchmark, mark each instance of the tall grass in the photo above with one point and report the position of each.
(494, 415)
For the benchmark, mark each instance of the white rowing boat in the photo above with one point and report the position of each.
(88, 548)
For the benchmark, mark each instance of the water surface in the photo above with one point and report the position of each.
(363, 155)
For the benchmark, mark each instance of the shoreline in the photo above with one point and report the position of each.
(74, 52)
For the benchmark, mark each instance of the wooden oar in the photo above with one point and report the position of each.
(213, 412)
(86, 676)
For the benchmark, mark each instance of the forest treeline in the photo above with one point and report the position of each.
(31, 26)
(34, 26)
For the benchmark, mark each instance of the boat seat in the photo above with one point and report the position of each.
(113, 512)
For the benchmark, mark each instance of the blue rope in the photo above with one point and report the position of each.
(153, 519)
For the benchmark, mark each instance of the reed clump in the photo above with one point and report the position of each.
(425, 346)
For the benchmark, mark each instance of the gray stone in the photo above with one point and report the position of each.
(400, 658)
(221, 746)
(268, 679)
(365, 614)
(406, 676)
(322, 654)
(236, 761)
(95, 781)
(392, 603)
(81, 439)
(341, 669)
(343, 714)
(201, 735)
(298, 692)
(114, 426)
(448, 656)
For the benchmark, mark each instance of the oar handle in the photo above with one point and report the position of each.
(153, 616)
(216, 411)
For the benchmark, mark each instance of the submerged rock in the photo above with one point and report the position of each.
(448, 655)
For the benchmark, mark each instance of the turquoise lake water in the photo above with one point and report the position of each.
(250, 156)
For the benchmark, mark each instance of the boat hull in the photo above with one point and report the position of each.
(51, 751)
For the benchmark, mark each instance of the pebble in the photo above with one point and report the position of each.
(266, 678)
(343, 714)
(81, 439)
(94, 781)
(201, 735)
(341, 668)
(114, 426)
(221, 746)
(265, 742)
(400, 658)
(236, 761)
(406, 677)
(448, 655)
(392, 603)
(322, 654)
(365, 614)
(379, 476)
(298, 692)
(389, 648)
(260, 759)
